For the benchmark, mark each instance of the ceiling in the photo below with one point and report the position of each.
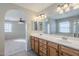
(36, 7)
(14, 15)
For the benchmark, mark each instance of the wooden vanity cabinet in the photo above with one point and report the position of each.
(36, 45)
(66, 51)
(46, 48)
(32, 42)
(42, 47)
(52, 49)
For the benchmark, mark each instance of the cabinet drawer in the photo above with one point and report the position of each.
(44, 54)
(40, 53)
(36, 39)
(42, 41)
(64, 54)
(40, 48)
(32, 37)
(54, 45)
(43, 50)
(43, 45)
(69, 50)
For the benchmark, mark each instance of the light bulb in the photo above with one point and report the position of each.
(61, 11)
(58, 9)
(76, 6)
(65, 6)
(67, 9)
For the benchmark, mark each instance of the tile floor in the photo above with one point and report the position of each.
(14, 45)
(24, 53)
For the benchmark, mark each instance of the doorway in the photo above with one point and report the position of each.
(15, 32)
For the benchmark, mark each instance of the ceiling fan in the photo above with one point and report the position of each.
(21, 21)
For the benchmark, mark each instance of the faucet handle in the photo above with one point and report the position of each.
(74, 34)
(41, 34)
(78, 34)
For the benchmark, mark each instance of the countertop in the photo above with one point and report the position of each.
(70, 42)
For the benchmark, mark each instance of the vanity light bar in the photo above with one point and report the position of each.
(61, 8)
(40, 17)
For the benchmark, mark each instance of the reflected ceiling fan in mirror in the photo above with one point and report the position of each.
(21, 21)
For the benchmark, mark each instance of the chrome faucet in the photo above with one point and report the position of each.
(76, 34)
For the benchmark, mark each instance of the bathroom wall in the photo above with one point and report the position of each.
(1, 33)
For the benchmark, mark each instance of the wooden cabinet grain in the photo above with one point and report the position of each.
(66, 51)
(46, 48)
(52, 49)
(52, 52)
(36, 45)
(32, 42)
(42, 47)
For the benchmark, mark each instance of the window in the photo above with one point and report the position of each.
(64, 27)
(8, 27)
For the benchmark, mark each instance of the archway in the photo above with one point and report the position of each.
(15, 33)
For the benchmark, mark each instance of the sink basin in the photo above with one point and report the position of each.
(66, 41)
(74, 41)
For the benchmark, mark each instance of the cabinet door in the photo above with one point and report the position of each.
(40, 53)
(52, 51)
(69, 51)
(42, 47)
(36, 46)
(64, 54)
(32, 44)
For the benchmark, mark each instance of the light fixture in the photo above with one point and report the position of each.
(21, 21)
(61, 8)
(75, 6)
(40, 18)
(58, 9)
(67, 9)
(61, 11)
(65, 6)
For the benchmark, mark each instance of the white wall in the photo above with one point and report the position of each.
(3, 10)
(1, 34)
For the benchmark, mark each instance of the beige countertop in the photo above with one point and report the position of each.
(70, 42)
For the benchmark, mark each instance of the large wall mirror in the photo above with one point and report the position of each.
(37, 26)
(76, 28)
(66, 26)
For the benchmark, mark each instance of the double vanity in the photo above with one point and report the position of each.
(54, 45)
(56, 34)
